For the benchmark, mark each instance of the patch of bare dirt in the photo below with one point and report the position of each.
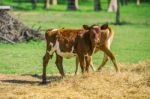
(133, 82)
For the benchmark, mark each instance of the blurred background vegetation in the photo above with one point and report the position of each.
(41, 4)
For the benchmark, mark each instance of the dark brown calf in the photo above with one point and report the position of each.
(67, 43)
(106, 37)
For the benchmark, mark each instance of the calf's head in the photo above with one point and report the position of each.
(94, 32)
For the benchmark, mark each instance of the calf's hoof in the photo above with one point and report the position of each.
(44, 81)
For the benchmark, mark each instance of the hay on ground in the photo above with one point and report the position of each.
(132, 83)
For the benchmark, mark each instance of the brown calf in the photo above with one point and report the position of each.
(67, 43)
(104, 45)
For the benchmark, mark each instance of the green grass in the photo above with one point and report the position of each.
(130, 45)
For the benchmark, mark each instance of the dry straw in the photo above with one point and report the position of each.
(132, 83)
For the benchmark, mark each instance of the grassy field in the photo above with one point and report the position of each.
(131, 43)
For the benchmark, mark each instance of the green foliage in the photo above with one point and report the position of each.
(130, 45)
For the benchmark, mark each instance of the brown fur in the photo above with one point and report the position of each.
(84, 42)
(105, 34)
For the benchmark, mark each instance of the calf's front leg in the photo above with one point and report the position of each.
(77, 62)
(45, 62)
(88, 62)
(82, 62)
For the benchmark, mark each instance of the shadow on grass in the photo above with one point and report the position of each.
(128, 23)
(20, 81)
(50, 79)
(122, 23)
(22, 8)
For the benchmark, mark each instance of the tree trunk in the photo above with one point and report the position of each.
(112, 6)
(138, 2)
(34, 4)
(46, 4)
(122, 2)
(118, 13)
(53, 2)
(72, 4)
(108, 3)
(97, 5)
(77, 3)
(126, 2)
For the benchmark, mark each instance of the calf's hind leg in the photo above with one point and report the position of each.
(91, 64)
(59, 64)
(112, 57)
(105, 59)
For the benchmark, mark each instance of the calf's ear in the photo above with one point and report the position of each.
(86, 27)
(104, 26)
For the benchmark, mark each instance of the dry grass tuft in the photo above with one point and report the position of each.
(133, 82)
